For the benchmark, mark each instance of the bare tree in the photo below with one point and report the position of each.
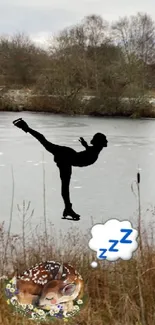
(136, 35)
(95, 34)
(21, 61)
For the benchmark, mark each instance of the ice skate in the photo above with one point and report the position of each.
(19, 123)
(69, 212)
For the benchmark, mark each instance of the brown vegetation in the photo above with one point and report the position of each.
(93, 58)
(119, 293)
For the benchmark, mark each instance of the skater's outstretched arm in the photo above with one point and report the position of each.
(84, 143)
(40, 137)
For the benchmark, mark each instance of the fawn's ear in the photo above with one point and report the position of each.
(69, 289)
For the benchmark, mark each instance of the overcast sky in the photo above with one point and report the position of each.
(41, 18)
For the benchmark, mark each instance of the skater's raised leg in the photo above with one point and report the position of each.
(65, 176)
(49, 146)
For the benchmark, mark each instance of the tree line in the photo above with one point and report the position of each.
(113, 63)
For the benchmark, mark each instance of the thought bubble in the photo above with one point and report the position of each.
(113, 240)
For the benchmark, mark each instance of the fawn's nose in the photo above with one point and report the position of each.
(53, 301)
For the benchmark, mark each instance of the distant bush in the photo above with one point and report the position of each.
(55, 104)
(42, 103)
(7, 105)
(119, 107)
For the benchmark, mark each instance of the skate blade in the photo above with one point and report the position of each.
(15, 121)
(71, 219)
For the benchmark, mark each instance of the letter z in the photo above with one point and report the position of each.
(128, 233)
(115, 242)
(102, 256)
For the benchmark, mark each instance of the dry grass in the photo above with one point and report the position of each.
(45, 103)
(119, 293)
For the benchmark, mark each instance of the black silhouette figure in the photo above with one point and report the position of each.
(66, 157)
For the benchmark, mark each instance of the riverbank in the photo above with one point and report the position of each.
(26, 100)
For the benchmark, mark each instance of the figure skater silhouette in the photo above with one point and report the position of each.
(66, 157)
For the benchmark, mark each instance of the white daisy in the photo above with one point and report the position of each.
(51, 312)
(8, 286)
(30, 307)
(12, 290)
(23, 306)
(13, 300)
(79, 302)
(33, 315)
(76, 308)
(40, 312)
